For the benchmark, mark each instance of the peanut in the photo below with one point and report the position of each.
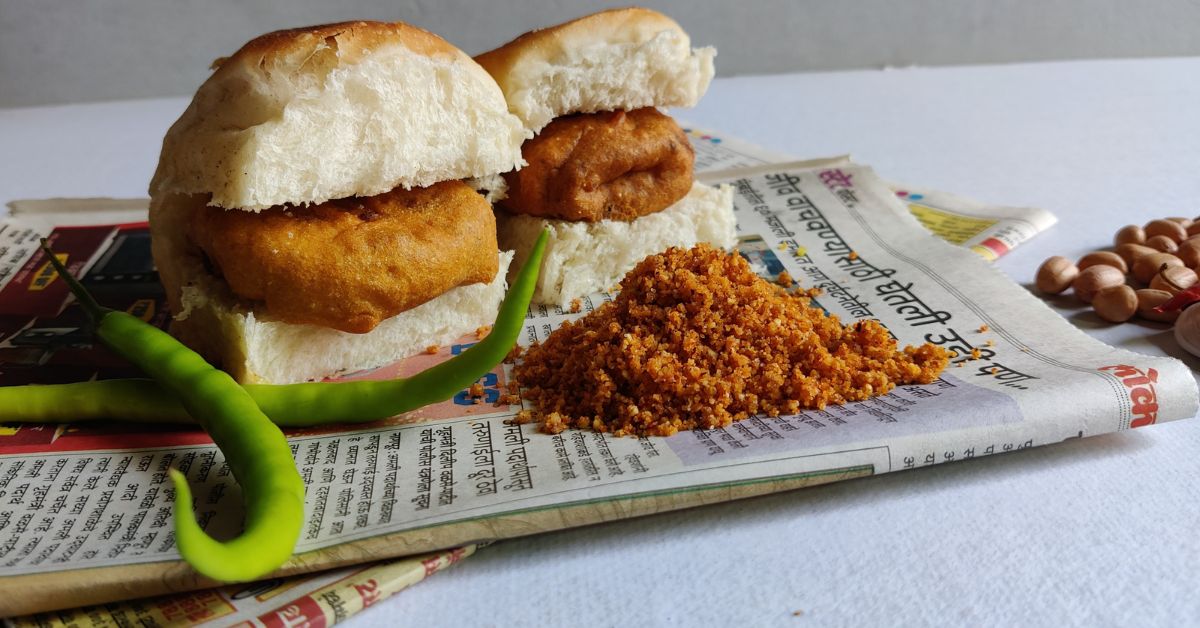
(1193, 229)
(1165, 227)
(1103, 258)
(1150, 299)
(1130, 252)
(1187, 330)
(1147, 266)
(1094, 279)
(1116, 304)
(1162, 243)
(1189, 252)
(1174, 279)
(1129, 234)
(1183, 222)
(1055, 275)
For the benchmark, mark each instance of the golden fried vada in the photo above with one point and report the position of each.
(350, 263)
(618, 165)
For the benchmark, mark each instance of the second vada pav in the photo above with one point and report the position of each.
(607, 173)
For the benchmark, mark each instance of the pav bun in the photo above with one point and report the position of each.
(620, 59)
(350, 109)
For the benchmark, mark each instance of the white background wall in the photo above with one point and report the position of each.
(55, 51)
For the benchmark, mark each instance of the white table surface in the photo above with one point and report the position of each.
(1101, 531)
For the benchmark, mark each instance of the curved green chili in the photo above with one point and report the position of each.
(257, 452)
(289, 405)
(317, 403)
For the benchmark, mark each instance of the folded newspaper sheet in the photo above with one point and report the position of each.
(989, 230)
(85, 510)
(312, 600)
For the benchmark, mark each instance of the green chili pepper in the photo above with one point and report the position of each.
(255, 449)
(289, 405)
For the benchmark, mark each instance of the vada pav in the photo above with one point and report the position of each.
(607, 173)
(309, 214)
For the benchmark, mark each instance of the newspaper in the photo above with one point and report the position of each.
(314, 600)
(85, 509)
(988, 230)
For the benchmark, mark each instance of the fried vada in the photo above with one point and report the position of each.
(349, 264)
(308, 215)
(603, 166)
(609, 175)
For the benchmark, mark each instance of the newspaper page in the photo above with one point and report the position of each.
(713, 153)
(988, 230)
(330, 595)
(85, 509)
(313, 600)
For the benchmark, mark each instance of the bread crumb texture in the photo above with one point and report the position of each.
(696, 340)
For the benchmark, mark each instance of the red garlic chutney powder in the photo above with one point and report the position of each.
(695, 339)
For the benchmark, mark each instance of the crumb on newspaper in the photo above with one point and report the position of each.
(696, 340)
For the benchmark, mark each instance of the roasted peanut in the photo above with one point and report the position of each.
(1165, 227)
(1162, 243)
(1129, 234)
(1103, 258)
(1095, 279)
(1187, 330)
(1189, 252)
(1150, 299)
(1183, 222)
(1147, 266)
(1174, 279)
(1130, 252)
(1055, 275)
(1116, 304)
(1193, 229)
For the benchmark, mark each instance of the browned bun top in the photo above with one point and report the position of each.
(306, 115)
(616, 59)
(613, 25)
(352, 40)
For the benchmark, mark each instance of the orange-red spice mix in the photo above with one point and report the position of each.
(696, 340)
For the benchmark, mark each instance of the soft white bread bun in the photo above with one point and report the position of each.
(582, 258)
(616, 59)
(324, 112)
(258, 349)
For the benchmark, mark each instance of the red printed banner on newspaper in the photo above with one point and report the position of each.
(1142, 393)
(303, 611)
